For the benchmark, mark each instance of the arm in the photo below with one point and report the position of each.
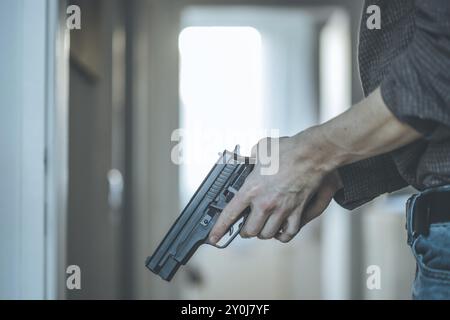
(415, 91)
(367, 129)
(416, 88)
(307, 178)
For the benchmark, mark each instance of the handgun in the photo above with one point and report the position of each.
(192, 227)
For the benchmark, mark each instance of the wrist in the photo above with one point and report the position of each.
(336, 181)
(314, 148)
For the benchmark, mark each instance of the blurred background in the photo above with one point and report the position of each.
(87, 120)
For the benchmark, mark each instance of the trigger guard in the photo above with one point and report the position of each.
(232, 236)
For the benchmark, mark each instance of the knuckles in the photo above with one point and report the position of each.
(251, 232)
(266, 235)
(287, 236)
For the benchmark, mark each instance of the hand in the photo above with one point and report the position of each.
(286, 200)
(331, 184)
(305, 180)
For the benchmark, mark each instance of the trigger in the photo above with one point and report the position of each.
(231, 230)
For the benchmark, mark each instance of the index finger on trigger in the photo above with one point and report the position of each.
(229, 216)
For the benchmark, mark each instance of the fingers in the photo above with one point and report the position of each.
(315, 209)
(290, 227)
(229, 216)
(261, 211)
(298, 219)
(273, 225)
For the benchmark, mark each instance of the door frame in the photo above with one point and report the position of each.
(57, 130)
(33, 117)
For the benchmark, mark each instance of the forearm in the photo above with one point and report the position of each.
(365, 130)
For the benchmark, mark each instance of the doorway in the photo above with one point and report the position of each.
(247, 73)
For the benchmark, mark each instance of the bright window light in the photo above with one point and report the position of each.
(221, 96)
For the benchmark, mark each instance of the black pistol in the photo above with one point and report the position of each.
(192, 227)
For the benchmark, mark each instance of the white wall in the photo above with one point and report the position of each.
(22, 81)
(25, 101)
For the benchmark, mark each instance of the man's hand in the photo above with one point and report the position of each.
(307, 180)
(331, 184)
(282, 203)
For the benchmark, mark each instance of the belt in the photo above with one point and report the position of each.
(425, 208)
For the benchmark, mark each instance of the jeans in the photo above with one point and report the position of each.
(432, 253)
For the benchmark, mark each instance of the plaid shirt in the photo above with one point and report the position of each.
(409, 59)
